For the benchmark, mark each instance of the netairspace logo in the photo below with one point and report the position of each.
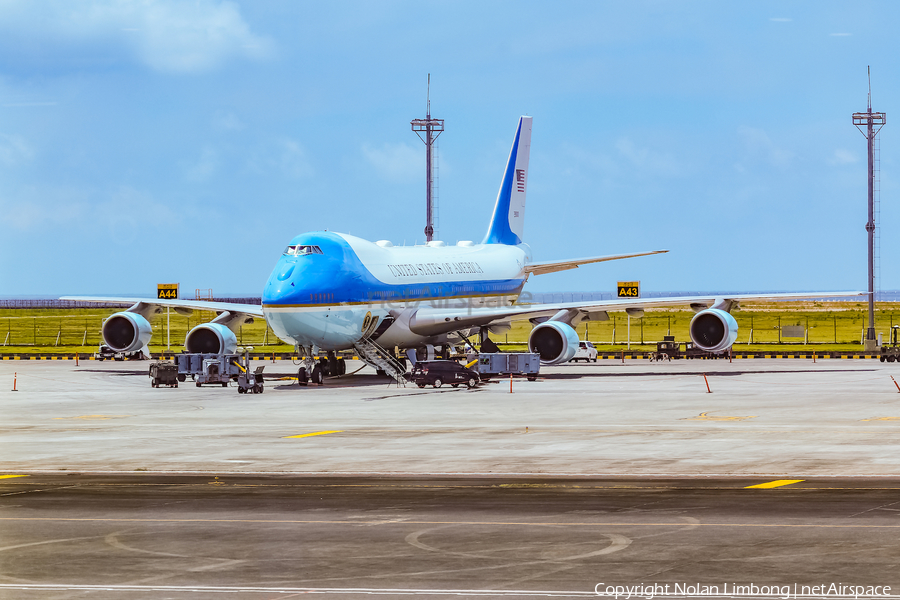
(833, 590)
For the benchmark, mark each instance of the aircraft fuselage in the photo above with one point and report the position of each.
(330, 290)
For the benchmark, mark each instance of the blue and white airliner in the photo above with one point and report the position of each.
(333, 291)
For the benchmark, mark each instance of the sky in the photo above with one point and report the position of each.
(161, 141)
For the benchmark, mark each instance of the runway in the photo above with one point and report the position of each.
(74, 536)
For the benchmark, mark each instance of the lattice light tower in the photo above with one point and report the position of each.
(873, 123)
(432, 128)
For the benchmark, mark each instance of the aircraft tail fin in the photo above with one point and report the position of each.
(508, 221)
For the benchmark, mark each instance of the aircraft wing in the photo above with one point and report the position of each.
(231, 314)
(552, 266)
(433, 321)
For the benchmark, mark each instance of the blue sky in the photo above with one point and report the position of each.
(148, 142)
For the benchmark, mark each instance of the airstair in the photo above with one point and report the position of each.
(376, 356)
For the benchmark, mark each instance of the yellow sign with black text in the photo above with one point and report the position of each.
(167, 291)
(628, 289)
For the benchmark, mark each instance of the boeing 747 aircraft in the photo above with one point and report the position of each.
(333, 291)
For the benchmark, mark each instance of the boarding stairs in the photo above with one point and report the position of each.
(376, 356)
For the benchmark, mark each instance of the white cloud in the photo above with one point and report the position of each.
(758, 144)
(285, 156)
(205, 166)
(648, 159)
(118, 215)
(226, 121)
(395, 162)
(293, 160)
(166, 35)
(14, 150)
(842, 157)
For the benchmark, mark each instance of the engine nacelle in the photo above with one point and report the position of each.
(713, 330)
(210, 338)
(126, 332)
(555, 341)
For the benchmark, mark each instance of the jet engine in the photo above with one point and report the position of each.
(555, 341)
(126, 332)
(713, 330)
(210, 338)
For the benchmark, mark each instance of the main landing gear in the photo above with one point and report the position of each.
(317, 370)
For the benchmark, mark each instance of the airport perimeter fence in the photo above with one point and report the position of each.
(845, 327)
(85, 330)
(826, 327)
(559, 297)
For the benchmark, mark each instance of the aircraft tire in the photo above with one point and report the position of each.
(317, 376)
(302, 377)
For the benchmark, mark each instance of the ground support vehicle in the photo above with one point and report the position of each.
(585, 352)
(104, 352)
(208, 368)
(163, 372)
(247, 380)
(509, 363)
(666, 349)
(438, 372)
(891, 352)
(251, 381)
(691, 351)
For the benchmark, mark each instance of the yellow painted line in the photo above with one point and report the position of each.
(302, 435)
(11, 476)
(707, 417)
(773, 484)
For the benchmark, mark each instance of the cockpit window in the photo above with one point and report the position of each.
(302, 250)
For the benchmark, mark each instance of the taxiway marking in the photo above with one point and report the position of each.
(773, 484)
(11, 476)
(303, 435)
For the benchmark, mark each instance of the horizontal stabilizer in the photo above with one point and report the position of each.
(564, 265)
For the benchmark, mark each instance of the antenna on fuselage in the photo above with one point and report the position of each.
(432, 128)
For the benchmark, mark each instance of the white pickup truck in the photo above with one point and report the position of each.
(585, 352)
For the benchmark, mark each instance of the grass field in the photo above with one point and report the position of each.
(825, 325)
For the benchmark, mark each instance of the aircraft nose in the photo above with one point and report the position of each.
(281, 283)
